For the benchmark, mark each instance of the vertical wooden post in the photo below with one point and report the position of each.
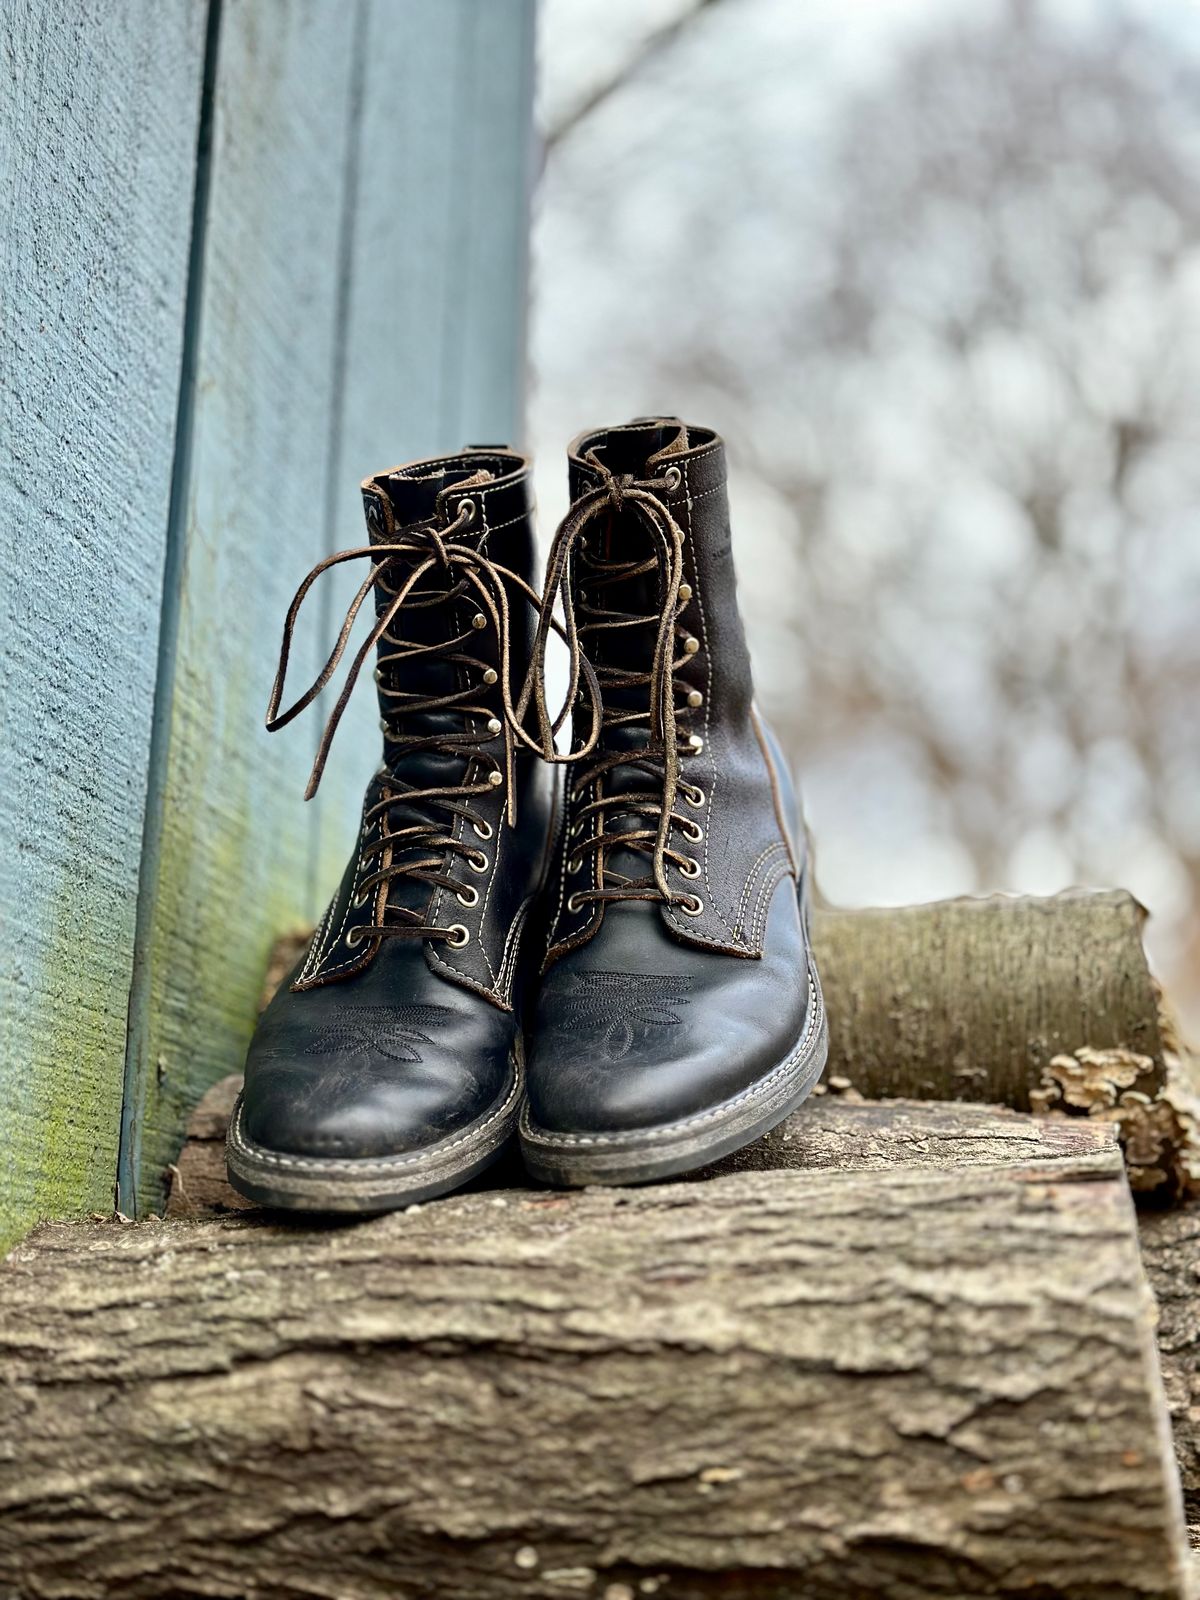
(362, 301)
(246, 255)
(99, 115)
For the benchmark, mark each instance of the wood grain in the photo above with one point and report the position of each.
(827, 1383)
(1171, 1252)
(971, 999)
(98, 127)
(231, 864)
(826, 1134)
(354, 148)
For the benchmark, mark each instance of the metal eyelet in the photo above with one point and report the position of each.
(471, 891)
(695, 698)
(495, 779)
(573, 905)
(479, 620)
(482, 830)
(477, 861)
(464, 935)
(466, 510)
(493, 725)
(575, 864)
(695, 743)
(672, 478)
(689, 868)
(691, 905)
(361, 899)
(685, 592)
(378, 674)
(694, 795)
(490, 676)
(354, 938)
(691, 830)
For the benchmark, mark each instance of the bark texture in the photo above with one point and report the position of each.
(901, 1383)
(973, 999)
(830, 1132)
(1171, 1251)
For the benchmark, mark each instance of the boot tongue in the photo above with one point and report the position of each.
(636, 451)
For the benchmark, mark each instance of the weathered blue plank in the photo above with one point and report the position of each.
(98, 123)
(228, 859)
(435, 342)
(348, 316)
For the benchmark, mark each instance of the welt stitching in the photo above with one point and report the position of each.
(753, 874)
(815, 1013)
(394, 1162)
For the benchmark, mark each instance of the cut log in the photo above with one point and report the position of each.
(974, 999)
(917, 1380)
(829, 1133)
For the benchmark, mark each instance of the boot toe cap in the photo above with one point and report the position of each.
(363, 1109)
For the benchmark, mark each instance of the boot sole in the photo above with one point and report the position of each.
(373, 1183)
(569, 1160)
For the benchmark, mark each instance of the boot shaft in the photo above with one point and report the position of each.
(657, 545)
(481, 499)
(454, 822)
(686, 468)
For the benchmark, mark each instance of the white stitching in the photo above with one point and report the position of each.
(321, 970)
(328, 1164)
(762, 905)
(666, 1130)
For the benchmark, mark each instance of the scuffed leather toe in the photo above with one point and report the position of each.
(357, 1076)
(663, 1031)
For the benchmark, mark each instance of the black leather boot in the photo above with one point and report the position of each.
(680, 1014)
(388, 1068)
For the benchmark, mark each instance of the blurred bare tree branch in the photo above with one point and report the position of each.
(651, 47)
(955, 347)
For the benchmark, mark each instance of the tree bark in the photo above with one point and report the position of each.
(974, 999)
(930, 1377)
(830, 1132)
(1171, 1252)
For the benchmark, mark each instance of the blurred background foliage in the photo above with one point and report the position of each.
(933, 268)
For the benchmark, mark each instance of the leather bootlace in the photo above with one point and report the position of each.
(599, 614)
(421, 567)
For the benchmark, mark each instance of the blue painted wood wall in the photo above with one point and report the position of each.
(247, 255)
